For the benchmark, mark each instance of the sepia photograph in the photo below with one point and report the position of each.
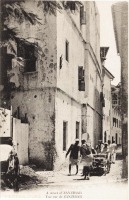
(64, 99)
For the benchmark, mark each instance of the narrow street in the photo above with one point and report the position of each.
(63, 90)
(58, 185)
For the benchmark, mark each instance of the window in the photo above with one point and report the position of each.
(82, 15)
(71, 5)
(105, 136)
(28, 53)
(65, 127)
(67, 50)
(5, 64)
(77, 130)
(117, 123)
(102, 99)
(114, 121)
(116, 138)
(81, 79)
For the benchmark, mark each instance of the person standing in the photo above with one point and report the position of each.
(113, 153)
(86, 159)
(106, 151)
(109, 150)
(13, 170)
(74, 155)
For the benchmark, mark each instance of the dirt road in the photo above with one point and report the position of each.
(59, 185)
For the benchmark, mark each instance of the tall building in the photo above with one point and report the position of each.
(106, 96)
(116, 114)
(116, 96)
(120, 22)
(58, 89)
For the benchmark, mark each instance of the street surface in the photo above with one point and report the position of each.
(59, 185)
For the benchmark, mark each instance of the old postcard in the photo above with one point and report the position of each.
(64, 99)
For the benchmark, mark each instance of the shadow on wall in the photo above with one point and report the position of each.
(49, 156)
(125, 168)
(97, 120)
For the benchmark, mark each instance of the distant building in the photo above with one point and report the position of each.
(106, 95)
(116, 96)
(116, 130)
(116, 126)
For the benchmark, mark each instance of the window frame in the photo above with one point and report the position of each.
(77, 128)
(64, 147)
(81, 79)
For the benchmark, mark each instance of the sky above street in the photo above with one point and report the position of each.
(107, 39)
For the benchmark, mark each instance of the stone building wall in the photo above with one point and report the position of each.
(48, 96)
(107, 111)
(35, 95)
(120, 22)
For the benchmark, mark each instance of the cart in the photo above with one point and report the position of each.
(101, 165)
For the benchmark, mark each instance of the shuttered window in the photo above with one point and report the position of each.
(81, 79)
(65, 126)
(82, 15)
(77, 130)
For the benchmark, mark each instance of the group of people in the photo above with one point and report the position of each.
(108, 148)
(85, 152)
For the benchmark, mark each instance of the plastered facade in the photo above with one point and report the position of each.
(49, 96)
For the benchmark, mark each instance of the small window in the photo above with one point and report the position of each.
(65, 127)
(71, 5)
(28, 53)
(81, 79)
(105, 136)
(117, 123)
(114, 121)
(67, 51)
(77, 130)
(116, 138)
(82, 15)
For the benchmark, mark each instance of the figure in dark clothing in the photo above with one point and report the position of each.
(87, 159)
(74, 154)
(13, 171)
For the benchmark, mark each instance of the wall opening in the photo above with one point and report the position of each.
(77, 130)
(28, 53)
(67, 50)
(105, 136)
(81, 79)
(116, 138)
(112, 138)
(65, 130)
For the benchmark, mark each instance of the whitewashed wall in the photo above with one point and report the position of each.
(20, 137)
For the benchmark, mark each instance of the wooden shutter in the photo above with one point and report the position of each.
(82, 15)
(81, 79)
